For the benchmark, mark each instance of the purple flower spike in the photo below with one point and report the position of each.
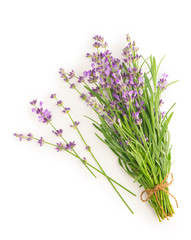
(70, 146)
(58, 133)
(41, 141)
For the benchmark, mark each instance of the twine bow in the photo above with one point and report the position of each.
(159, 187)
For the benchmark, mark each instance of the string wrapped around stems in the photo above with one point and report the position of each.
(159, 187)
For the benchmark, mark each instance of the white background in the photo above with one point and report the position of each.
(50, 195)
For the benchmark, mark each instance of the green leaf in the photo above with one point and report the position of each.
(164, 128)
(170, 84)
(160, 64)
(147, 82)
(96, 95)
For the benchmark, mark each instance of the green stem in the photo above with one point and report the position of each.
(90, 165)
(111, 179)
(103, 172)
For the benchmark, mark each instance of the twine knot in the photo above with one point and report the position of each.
(159, 187)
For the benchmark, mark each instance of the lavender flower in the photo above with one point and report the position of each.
(61, 71)
(33, 102)
(88, 148)
(44, 116)
(105, 44)
(66, 110)
(98, 38)
(20, 136)
(72, 85)
(135, 115)
(53, 95)
(146, 138)
(81, 79)
(163, 114)
(75, 124)
(58, 133)
(139, 121)
(162, 82)
(59, 103)
(59, 147)
(128, 38)
(63, 75)
(70, 146)
(29, 137)
(71, 74)
(119, 121)
(85, 160)
(41, 141)
(161, 102)
(83, 96)
(97, 44)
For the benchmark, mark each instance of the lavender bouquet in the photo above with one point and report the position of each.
(126, 96)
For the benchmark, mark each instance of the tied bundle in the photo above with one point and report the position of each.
(126, 96)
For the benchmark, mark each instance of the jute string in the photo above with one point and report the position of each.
(159, 187)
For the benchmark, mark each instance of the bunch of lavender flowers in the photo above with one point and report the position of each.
(128, 103)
